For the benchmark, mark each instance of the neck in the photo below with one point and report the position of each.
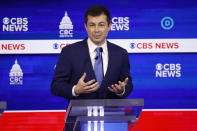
(99, 43)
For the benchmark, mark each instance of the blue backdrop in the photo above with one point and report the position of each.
(158, 92)
(147, 19)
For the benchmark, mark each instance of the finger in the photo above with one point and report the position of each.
(91, 86)
(126, 80)
(114, 88)
(120, 83)
(118, 87)
(88, 89)
(111, 89)
(93, 89)
(94, 85)
(83, 76)
(90, 82)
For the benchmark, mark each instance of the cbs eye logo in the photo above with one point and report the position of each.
(168, 70)
(5, 20)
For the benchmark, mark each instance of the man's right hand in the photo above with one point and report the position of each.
(87, 87)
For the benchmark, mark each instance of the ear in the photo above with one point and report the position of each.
(85, 26)
(109, 26)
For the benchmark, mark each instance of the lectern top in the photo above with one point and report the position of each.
(107, 102)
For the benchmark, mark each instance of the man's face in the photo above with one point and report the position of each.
(97, 28)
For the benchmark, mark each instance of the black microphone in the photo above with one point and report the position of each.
(101, 49)
(96, 58)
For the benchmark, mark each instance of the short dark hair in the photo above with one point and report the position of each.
(97, 10)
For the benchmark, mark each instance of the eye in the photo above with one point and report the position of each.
(102, 24)
(91, 25)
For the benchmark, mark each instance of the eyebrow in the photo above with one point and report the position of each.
(98, 23)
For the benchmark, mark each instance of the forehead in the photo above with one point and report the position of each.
(97, 19)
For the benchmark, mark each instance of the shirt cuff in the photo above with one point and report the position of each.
(73, 91)
(121, 93)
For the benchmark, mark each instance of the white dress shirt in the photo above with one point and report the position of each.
(92, 51)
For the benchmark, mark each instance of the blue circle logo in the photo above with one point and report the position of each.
(167, 23)
(132, 45)
(55, 46)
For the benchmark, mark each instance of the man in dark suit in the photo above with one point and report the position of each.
(93, 68)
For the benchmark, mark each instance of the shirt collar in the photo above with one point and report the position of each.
(92, 46)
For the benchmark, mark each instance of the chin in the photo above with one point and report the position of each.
(97, 42)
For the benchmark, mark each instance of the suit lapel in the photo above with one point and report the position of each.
(109, 67)
(88, 64)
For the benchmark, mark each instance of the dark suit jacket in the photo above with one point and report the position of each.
(74, 60)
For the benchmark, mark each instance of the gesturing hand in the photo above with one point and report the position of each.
(87, 87)
(119, 88)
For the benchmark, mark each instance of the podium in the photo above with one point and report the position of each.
(103, 114)
(3, 106)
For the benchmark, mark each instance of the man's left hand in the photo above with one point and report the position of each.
(119, 88)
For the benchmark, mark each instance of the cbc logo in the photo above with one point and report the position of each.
(16, 80)
(168, 70)
(167, 23)
(66, 26)
(66, 33)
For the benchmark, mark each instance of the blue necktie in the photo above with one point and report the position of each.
(98, 67)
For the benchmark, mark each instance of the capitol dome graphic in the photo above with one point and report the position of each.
(65, 22)
(16, 74)
(16, 70)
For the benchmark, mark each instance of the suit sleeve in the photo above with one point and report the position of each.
(60, 85)
(125, 72)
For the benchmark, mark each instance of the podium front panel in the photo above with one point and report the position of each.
(103, 113)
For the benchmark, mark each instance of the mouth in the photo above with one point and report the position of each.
(97, 36)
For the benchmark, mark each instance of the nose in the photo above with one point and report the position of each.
(96, 29)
